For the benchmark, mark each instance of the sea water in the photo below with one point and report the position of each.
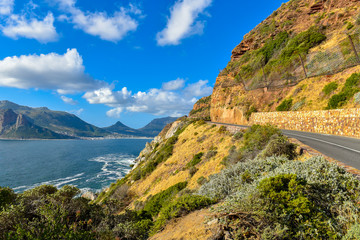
(90, 165)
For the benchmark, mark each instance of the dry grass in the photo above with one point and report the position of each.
(174, 169)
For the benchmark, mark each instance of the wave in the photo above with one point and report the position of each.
(57, 182)
(115, 166)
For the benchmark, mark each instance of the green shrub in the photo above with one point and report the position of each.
(329, 88)
(279, 146)
(347, 92)
(222, 129)
(349, 26)
(237, 136)
(180, 207)
(201, 180)
(192, 171)
(301, 44)
(210, 154)
(250, 111)
(298, 200)
(7, 196)
(285, 105)
(196, 159)
(257, 136)
(154, 204)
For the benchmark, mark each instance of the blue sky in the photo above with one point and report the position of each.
(128, 60)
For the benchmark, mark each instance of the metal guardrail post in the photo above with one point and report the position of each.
(303, 65)
(354, 48)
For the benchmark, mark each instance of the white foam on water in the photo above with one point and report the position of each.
(57, 182)
(115, 166)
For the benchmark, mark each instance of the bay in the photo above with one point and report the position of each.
(90, 165)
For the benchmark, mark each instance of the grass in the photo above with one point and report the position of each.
(196, 159)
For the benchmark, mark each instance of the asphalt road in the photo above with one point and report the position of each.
(343, 149)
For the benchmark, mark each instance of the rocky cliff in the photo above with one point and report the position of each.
(292, 55)
(18, 126)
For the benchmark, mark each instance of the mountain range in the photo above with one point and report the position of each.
(150, 130)
(22, 122)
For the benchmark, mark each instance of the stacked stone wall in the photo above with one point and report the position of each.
(343, 122)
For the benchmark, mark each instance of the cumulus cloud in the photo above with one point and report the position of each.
(183, 21)
(6, 7)
(41, 30)
(111, 28)
(64, 73)
(174, 85)
(69, 100)
(115, 112)
(172, 99)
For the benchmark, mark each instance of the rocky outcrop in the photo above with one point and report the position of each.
(239, 50)
(7, 119)
(317, 7)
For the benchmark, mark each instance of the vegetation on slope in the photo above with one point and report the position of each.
(259, 193)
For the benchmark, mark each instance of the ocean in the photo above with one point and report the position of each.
(90, 165)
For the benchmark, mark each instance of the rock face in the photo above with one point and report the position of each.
(239, 50)
(317, 7)
(258, 77)
(18, 126)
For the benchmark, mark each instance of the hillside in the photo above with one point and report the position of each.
(17, 126)
(62, 123)
(150, 130)
(199, 180)
(300, 57)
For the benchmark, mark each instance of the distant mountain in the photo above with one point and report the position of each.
(156, 125)
(121, 128)
(18, 126)
(62, 123)
(150, 130)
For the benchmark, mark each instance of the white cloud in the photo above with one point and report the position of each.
(115, 112)
(110, 28)
(182, 22)
(69, 100)
(107, 96)
(64, 73)
(42, 30)
(174, 85)
(6, 7)
(165, 101)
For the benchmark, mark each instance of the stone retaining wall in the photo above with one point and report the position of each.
(343, 122)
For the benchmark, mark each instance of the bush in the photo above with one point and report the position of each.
(7, 196)
(301, 44)
(201, 180)
(210, 154)
(154, 204)
(357, 98)
(196, 159)
(180, 207)
(192, 171)
(329, 88)
(298, 200)
(348, 91)
(279, 146)
(237, 136)
(250, 111)
(285, 105)
(257, 136)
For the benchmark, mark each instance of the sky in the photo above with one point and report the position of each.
(119, 60)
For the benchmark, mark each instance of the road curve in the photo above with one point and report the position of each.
(343, 149)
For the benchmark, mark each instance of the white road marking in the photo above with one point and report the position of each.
(319, 140)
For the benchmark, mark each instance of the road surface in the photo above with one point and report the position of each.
(343, 149)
